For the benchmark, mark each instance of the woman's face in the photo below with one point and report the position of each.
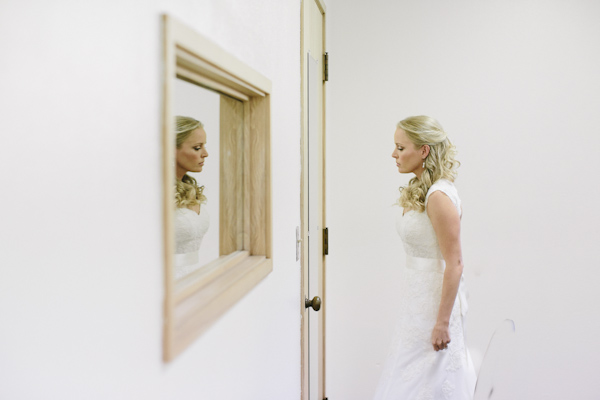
(408, 157)
(191, 154)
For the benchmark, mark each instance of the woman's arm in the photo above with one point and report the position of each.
(446, 223)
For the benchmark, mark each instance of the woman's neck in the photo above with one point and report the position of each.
(418, 172)
(179, 172)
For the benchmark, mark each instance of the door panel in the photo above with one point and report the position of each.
(315, 224)
(313, 199)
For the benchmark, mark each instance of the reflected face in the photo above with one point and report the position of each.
(408, 157)
(191, 154)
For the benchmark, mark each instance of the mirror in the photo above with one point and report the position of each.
(196, 224)
(228, 226)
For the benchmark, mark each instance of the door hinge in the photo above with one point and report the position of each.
(325, 67)
(325, 241)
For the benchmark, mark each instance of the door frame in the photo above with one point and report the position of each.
(304, 37)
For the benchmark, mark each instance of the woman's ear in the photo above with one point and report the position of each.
(425, 150)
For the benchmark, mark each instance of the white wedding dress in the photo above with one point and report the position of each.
(413, 369)
(190, 228)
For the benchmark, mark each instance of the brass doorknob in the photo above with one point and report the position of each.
(315, 303)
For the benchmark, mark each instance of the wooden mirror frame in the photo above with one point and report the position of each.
(193, 303)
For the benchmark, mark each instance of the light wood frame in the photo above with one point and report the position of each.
(304, 373)
(193, 303)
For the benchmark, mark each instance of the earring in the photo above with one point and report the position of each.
(423, 163)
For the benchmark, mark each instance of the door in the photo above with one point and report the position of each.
(313, 201)
(316, 296)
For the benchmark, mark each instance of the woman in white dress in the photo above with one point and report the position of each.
(191, 217)
(428, 359)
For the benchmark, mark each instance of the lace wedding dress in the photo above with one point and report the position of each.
(413, 369)
(190, 228)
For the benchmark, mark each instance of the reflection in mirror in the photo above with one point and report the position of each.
(196, 162)
(227, 212)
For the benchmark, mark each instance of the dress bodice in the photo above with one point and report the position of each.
(190, 228)
(415, 228)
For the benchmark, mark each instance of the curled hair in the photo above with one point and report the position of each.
(187, 191)
(441, 162)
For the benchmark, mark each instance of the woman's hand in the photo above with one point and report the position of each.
(440, 337)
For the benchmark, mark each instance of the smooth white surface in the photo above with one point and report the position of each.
(516, 86)
(81, 271)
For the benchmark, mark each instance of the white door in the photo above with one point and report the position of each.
(315, 228)
(313, 199)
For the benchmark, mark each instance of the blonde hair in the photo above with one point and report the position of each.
(439, 164)
(187, 191)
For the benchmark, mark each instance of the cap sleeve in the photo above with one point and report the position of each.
(444, 185)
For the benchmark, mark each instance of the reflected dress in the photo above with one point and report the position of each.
(190, 228)
(413, 370)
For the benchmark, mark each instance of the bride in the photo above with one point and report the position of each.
(428, 359)
(191, 217)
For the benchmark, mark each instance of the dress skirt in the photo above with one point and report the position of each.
(413, 369)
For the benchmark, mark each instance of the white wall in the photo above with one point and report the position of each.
(516, 85)
(81, 286)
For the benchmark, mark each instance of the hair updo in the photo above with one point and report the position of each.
(439, 164)
(187, 191)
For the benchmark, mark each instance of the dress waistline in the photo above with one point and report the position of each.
(425, 264)
(183, 259)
